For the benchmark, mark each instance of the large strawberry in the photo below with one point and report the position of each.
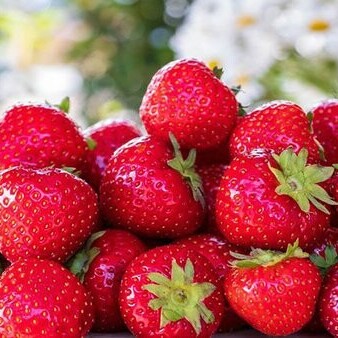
(107, 136)
(274, 292)
(270, 201)
(44, 213)
(187, 99)
(170, 291)
(40, 298)
(325, 126)
(39, 136)
(274, 126)
(100, 266)
(218, 251)
(148, 188)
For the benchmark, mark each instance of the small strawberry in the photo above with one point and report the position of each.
(40, 136)
(100, 266)
(260, 205)
(274, 292)
(45, 213)
(211, 176)
(170, 291)
(40, 298)
(107, 136)
(218, 251)
(149, 189)
(325, 127)
(186, 98)
(274, 126)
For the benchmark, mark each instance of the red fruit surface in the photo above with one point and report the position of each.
(330, 238)
(328, 304)
(217, 250)
(141, 193)
(39, 298)
(276, 300)
(211, 176)
(141, 319)
(108, 135)
(332, 187)
(250, 213)
(116, 249)
(274, 126)
(45, 213)
(40, 136)
(325, 128)
(186, 98)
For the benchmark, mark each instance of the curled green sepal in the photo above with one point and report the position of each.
(179, 297)
(324, 263)
(299, 180)
(260, 257)
(186, 168)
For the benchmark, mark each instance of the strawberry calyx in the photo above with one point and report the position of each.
(80, 262)
(64, 105)
(186, 168)
(325, 263)
(300, 181)
(179, 297)
(218, 72)
(72, 170)
(91, 143)
(260, 257)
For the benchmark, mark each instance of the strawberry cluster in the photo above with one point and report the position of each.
(211, 221)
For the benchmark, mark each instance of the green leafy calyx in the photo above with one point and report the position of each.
(179, 297)
(186, 168)
(300, 181)
(259, 257)
(324, 263)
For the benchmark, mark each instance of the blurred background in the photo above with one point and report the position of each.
(102, 53)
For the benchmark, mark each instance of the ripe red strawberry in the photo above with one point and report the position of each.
(274, 126)
(40, 298)
(107, 135)
(170, 291)
(217, 250)
(260, 205)
(45, 213)
(330, 239)
(325, 126)
(211, 176)
(332, 188)
(187, 99)
(100, 266)
(274, 292)
(40, 136)
(149, 189)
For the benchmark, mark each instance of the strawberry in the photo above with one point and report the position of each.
(40, 298)
(218, 251)
(107, 136)
(44, 213)
(187, 99)
(100, 266)
(270, 201)
(330, 238)
(211, 176)
(332, 188)
(325, 126)
(149, 189)
(274, 126)
(170, 291)
(274, 292)
(40, 136)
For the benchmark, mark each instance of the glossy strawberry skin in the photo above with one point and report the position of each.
(45, 213)
(276, 300)
(103, 278)
(250, 213)
(274, 126)
(217, 250)
(40, 136)
(325, 127)
(141, 193)
(186, 98)
(108, 135)
(144, 322)
(39, 298)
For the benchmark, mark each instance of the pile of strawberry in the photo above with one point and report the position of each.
(213, 221)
